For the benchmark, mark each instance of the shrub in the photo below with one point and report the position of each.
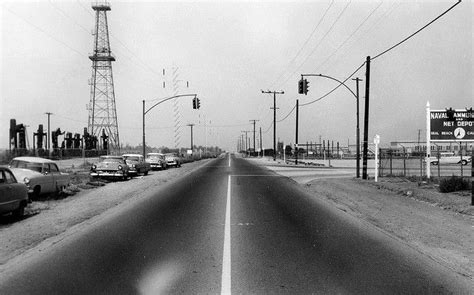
(452, 184)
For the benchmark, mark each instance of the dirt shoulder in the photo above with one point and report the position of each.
(49, 220)
(411, 213)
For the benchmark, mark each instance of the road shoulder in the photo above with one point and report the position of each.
(438, 225)
(54, 220)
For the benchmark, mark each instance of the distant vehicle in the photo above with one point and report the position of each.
(40, 175)
(13, 195)
(156, 160)
(173, 159)
(137, 164)
(110, 167)
(450, 158)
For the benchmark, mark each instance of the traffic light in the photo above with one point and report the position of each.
(301, 86)
(194, 103)
(305, 86)
(198, 103)
(450, 114)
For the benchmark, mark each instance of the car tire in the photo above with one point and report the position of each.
(434, 163)
(145, 173)
(36, 192)
(464, 162)
(18, 213)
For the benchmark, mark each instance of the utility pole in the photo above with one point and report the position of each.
(254, 133)
(357, 130)
(261, 146)
(143, 129)
(366, 119)
(247, 144)
(48, 136)
(192, 145)
(296, 137)
(274, 119)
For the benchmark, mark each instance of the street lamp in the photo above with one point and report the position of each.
(356, 95)
(160, 102)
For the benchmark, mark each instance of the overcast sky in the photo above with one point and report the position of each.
(229, 52)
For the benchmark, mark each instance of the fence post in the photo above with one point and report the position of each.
(391, 160)
(460, 152)
(439, 168)
(404, 163)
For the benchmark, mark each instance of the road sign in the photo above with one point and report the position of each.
(460, 128)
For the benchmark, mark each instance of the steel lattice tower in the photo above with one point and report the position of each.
(102, 110)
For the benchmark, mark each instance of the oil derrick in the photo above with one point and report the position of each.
(102, 110)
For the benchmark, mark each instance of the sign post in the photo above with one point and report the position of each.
(376, 142)
(428, 141)
(448, 125)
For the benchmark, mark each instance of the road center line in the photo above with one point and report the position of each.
(226, 262)
(229, 160)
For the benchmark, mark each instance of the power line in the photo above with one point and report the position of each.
(67, 16)
(305, 43)
(87, 10)
(278, 121)
(407, 38)
(268, 129)
(350, 36)
(320, 41)
(367, 32)
(334, 89)
(44, 32)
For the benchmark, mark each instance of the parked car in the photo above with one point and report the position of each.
(137, 164)
(173, 159)
(13, 195)
(156, 160)
(111, 167)
(40, 175)
(450, 158)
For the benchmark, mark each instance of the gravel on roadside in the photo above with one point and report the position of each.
(51, 218)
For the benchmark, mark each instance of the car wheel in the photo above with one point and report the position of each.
(146, 173)
(464, 162)
(434, 163)
(18, 213)
(36, 192)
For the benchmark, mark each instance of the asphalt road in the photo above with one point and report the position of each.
(231, 226)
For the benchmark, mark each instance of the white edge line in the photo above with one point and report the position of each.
(226, 257)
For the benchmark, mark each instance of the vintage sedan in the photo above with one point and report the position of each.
(156, 160)
(173, 159)
(110, 167)
(13, 195)
(450, 158)
(137, 164)
(41, 176)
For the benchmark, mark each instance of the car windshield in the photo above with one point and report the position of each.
(132, 158)
(26, 165)
(111, 160)
(153, 157)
